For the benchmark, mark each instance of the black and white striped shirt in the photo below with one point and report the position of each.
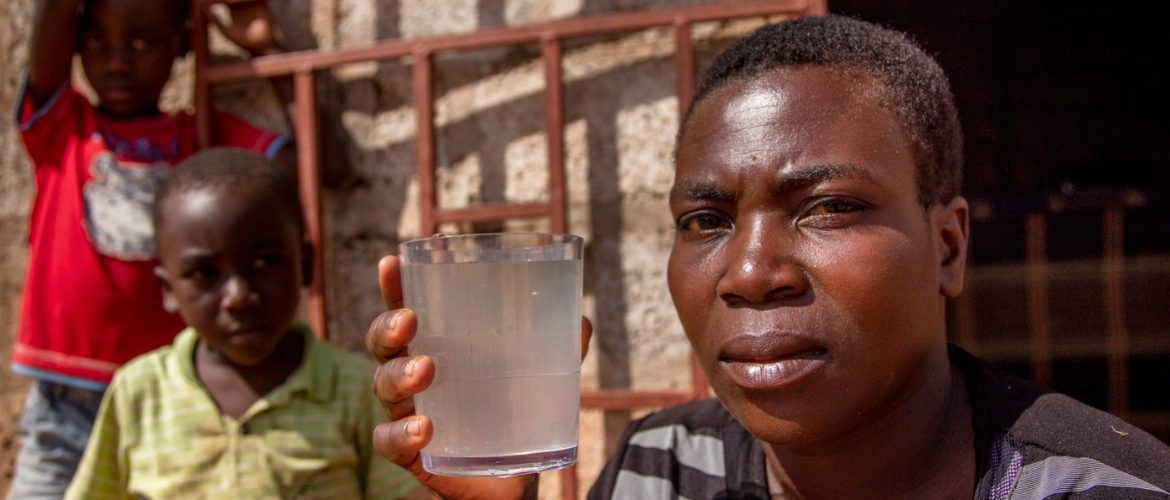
(1030, 444)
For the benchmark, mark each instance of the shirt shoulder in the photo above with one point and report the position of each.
(694, 450)
(1066, 447)
(232, 131)
(1044, 443)
(146, 368)
(346, 363)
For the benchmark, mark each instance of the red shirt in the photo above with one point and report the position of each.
(91, 301)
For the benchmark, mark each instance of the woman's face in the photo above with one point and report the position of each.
(809, 279)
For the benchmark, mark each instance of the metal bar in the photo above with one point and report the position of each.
(554, 128)
(292, 62)
(1117, 338)
(489, 212)
(309, 176)
(424, 115)
(684, 71)
(1036, 240)
(965, 322)
(817, 7)
(568, 477)
(684, 65)
(202, 82)
(629, 399)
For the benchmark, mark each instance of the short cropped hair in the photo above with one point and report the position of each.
(180, 11)
(231, 169)
(910, 84)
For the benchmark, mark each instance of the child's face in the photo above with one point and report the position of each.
(127, 49)
(806, 274)
(231, 262)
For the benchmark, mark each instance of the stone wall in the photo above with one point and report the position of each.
(620, 120)
(16, 194)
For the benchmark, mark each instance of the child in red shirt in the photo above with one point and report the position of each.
(91, 301)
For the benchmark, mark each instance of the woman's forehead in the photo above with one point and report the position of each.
(788, 121)
(778, 102)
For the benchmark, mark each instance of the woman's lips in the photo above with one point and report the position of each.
(770, 361)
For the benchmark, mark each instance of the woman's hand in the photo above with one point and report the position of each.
(399, 377)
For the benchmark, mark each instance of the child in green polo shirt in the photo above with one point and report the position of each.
(244, 403)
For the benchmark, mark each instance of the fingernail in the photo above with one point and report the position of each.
(412, 427)
(393, 320)
(408, 370)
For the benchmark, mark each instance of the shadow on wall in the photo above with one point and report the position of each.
(363, 212)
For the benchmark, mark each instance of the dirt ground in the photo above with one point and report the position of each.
(10, 410)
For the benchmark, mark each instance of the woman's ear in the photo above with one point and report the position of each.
(953, 231)
(169, 303)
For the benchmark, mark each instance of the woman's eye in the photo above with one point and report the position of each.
(829, 207)
(833, 213)
(700, 222)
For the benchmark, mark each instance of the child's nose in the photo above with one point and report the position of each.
(238, 294)
(118, 58)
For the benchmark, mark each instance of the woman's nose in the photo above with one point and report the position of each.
(761, 268)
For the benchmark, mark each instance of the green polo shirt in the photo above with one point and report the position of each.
(159, 434)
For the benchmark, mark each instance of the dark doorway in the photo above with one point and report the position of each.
(1050, 93)
(1064, 108)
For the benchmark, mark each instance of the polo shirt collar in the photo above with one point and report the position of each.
(314, 376)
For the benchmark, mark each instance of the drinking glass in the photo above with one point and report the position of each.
(500, 314)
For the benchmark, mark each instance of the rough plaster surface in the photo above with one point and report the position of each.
(15, 198)
(620, 119)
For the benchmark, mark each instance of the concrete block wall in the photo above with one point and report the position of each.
(621, 116)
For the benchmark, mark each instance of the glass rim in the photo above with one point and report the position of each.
(492, 247)
(564, 238)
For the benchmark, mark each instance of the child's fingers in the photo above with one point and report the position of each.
(398, 380)
(390, 281)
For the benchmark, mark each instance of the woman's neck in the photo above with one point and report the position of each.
(922, 448)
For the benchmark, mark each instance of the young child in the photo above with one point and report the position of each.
(91, 301)
(820, 231)
(244, 403)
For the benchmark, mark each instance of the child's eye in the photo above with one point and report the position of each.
(140, 45)
(202, 275)
(266, 261)
(94, 43)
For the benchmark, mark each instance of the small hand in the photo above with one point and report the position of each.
(251, 28)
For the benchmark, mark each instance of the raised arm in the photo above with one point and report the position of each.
(51, 48)
(251, 28)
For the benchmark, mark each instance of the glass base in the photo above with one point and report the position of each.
(500, 466)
